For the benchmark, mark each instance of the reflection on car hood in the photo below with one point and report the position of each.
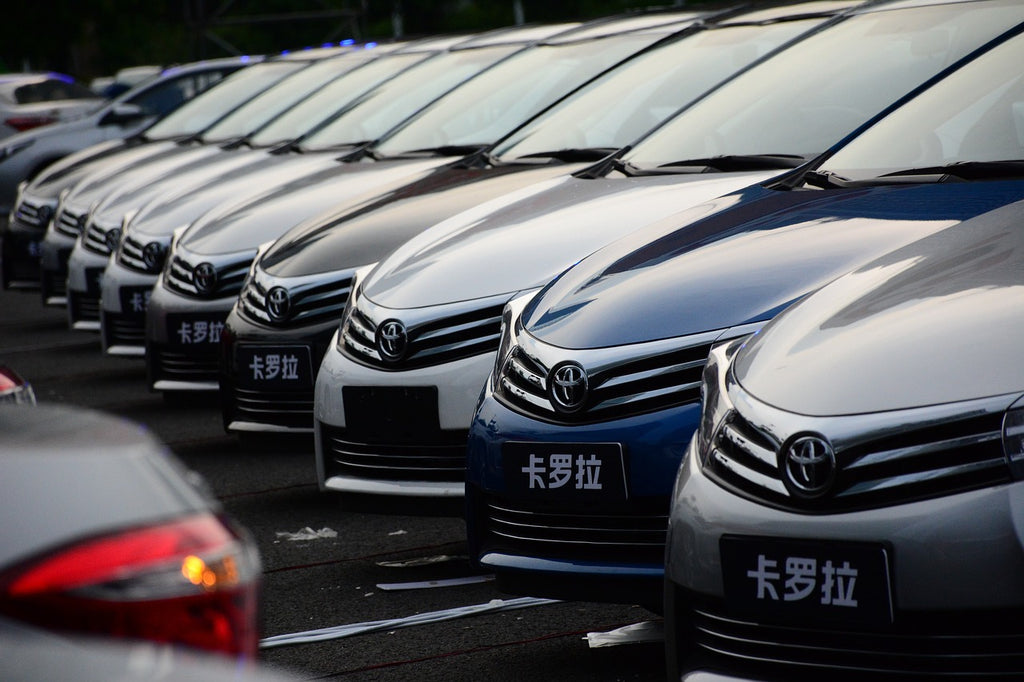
(523, 239)
(294, 197)
(937, 321)
(366, 229)
(744, 264)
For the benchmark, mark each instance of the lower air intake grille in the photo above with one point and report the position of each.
(443, 460)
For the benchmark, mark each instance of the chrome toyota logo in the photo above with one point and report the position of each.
(153, 256)
(204, 276)
(809, 466)
(278, 304)
(113, 239)
(80, 223)
(44, 214)
(567, 385)
(392, 340)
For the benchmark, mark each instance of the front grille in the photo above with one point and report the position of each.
(69, 222)
(195, 366)
(630, 385)
(607, 533)
(95, 239)
(970, 644)
(892, 467)
(83, 307)
(291, 409)
(124, 330)
(33, 214)
(130, 255)
(312, 300)
(430, 342)
(443, 460)
(231, 273)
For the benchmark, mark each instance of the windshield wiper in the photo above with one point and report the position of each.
(444, 150)
(572, 155)
(959, 171)
(727, 163)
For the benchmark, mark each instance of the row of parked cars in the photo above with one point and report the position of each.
(710, 312)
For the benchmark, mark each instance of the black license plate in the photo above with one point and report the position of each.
(191, 330)
(565, 471)
(822, 583)
(391, 414)
(135, 300)
(92, 281)
(274, 367)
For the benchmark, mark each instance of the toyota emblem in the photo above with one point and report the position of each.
(567, 385)
(278, 304)
(809, 466)
(392, 340)
(113, 239)
(153, 256)
(204, 276)
(80, 223)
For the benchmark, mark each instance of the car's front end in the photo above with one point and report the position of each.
(185, 317)
(20, 245)
(850, 505)
(65, 228)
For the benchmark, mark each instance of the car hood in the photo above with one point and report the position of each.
(745, 263)
(366, 229)
(937, 321)
(266, 216)
(523, 239)
(67, 170)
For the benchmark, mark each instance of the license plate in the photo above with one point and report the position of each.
(391, 414)
(565, 471)
(274, 367)
(808, 582)
(195, 330)
(92, 281)
(135, 300)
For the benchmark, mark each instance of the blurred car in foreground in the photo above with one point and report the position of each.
(598, 375)
(31, 100)
(14, 389)
(137, 550)
(851, 502)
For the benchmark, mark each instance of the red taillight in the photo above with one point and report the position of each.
(14, 389)
(23, 123)
(188, 582)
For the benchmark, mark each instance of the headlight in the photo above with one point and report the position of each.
(350, 304)
(511, 323)
(1013, 438)
(715, 405)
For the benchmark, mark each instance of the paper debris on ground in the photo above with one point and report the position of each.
(637, 633)
(307, 533)
(426, 584)
(398, 532)
(422, 561)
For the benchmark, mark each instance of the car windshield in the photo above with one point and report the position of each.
(271, 103)
(200, 112)
(625, 103)
(397, 99)
(960, 128)
(479, 113)
(808, 97)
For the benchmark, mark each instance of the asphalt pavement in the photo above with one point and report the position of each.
(329, 561)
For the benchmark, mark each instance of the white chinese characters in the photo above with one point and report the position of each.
(558, 470)
(270, 366)
(800, 577)
(200, 332)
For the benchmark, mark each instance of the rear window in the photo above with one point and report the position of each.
(51, 89)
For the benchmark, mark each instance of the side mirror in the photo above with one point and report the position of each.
(123, 113)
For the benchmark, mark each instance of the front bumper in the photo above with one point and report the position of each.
(576, 545)
(20, 250)
(54, 252)
(257, 400)
(124, 298)
(956, 566)
(408, 434)
(183, 340)
(85, 271)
